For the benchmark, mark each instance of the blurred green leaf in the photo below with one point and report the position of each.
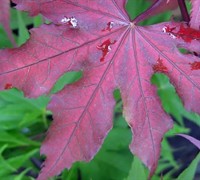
(189, 172)
(114, 159)
(134, 10)
(17, 111)
(27, 20)
(135, 7)
(21, 176)
(176, 130)
(138, 171)
(171, 101)
(15, 139)
(71, 174)
(22, 30)
(12, 164)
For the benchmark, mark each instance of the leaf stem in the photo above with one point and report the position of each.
(149, 12)
(184, 11)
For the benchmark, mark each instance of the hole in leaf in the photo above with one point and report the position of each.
(67, 78)
(183, 51)
(12, 4)
(117, 95)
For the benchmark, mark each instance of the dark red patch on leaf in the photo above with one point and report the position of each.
(109, 26)
(160, 67)
(167, 29)
(105, 48)
(8, 86)
(195, 65)
(186, 33)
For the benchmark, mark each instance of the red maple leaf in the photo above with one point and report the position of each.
(122, 56)
(195, 14)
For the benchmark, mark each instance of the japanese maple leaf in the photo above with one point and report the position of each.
(98, 38)
(195, 15)
(5, 18)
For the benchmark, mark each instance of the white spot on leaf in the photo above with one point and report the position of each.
(73, 22)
